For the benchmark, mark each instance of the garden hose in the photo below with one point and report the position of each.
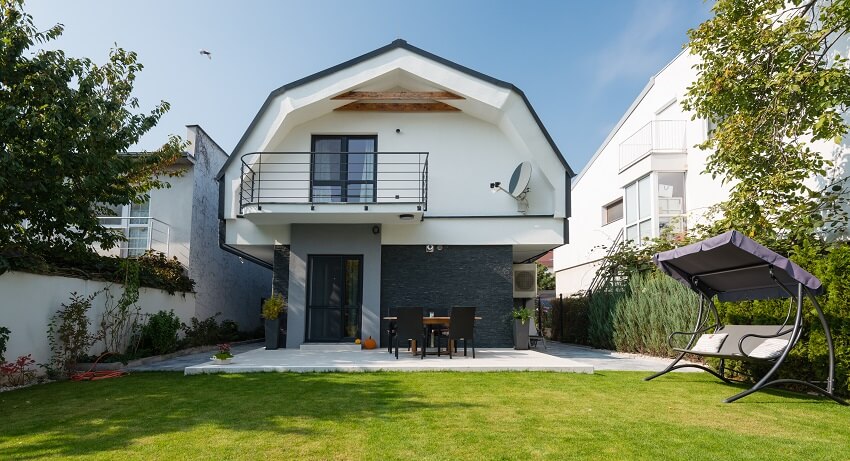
(92, 375)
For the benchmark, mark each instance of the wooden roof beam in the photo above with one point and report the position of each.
(397, 95)
(397, 107)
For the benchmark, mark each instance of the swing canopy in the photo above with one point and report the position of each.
(735, 268)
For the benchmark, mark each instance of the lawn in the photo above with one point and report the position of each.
(365, 416)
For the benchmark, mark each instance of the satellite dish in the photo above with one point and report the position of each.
(519, 180)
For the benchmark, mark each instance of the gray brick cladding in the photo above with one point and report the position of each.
(460, 275)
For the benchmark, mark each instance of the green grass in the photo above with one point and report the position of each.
(366, 416)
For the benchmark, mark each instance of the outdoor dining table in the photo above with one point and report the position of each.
(429, 321)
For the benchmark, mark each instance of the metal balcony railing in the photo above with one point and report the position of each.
(362, 178)
(143, 233)
(656, 136)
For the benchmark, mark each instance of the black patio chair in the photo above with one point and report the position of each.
(410, 327)
(461, 327)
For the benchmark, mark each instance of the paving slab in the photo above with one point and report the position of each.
(602, 359)
(302, 361)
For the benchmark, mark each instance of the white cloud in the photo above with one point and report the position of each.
(635, 51)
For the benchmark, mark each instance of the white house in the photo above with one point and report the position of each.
(182, 222)
(367, 186)
(646, 176)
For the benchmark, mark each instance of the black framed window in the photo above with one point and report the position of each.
(343, 169)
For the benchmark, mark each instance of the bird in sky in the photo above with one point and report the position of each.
(206, 53)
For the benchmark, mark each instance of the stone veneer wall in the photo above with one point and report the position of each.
(454, 276)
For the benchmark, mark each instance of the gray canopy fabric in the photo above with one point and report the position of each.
(735, 268)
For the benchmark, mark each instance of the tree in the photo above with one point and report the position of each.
(65, 127)
(545, 279)
(772, 82)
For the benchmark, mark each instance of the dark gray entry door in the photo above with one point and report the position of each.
(334, 297)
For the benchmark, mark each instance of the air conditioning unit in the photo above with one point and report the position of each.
(525, 280)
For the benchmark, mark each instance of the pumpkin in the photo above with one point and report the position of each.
(369, 343)
(357, 341)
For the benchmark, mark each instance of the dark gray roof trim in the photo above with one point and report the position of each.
(399, 43)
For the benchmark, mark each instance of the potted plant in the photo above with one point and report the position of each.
(272, 308)
(521, 318)
(223, 356)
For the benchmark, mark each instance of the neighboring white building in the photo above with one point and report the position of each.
(646, 176)
(367, 187)
(182, 222)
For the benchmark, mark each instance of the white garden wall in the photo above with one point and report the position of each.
(27, 301)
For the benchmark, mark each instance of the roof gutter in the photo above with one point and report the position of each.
(222, 230)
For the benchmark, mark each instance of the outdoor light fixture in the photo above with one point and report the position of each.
(405, 217)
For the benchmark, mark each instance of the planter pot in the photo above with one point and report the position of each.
(272, 334)
(520, 334)
(221, 361)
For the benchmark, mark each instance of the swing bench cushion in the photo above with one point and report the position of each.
(709, 343)
(770, 348)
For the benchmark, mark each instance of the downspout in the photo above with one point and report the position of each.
(222, 229)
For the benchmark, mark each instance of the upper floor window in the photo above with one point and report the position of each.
(639, 210)
(343, 169)
(671, 202)
(612, 211)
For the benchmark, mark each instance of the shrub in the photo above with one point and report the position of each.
(601, 309)
(205, 332)
(4, 338)
(68, 335)
(166, 274)
(19, 372)
(654, 306)
(159, 334)
(568, 319)
(273, 307)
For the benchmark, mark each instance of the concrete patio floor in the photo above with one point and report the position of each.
(301, 361)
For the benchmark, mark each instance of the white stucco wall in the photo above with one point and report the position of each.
(27, 301)
(173, 206)
(483, 143)
(602, 182)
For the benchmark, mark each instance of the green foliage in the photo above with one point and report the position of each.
(653, 306)
(545, 278)
(166, 274)
(159, 334)
(208, 331)
(772, 82)
(68, 335)
(4, 339)
(522, 314)
(120, 321)
(273, 307)
(65, 125)
(568, 319)
(601, 309)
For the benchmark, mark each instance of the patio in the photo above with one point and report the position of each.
(301, 361)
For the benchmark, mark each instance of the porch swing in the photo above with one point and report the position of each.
(733, 267)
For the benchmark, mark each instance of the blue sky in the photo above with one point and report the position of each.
(580, 63)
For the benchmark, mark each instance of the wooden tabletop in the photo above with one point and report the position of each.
(431, 320)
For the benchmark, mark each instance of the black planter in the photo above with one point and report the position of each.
(272, 334)
(521, 334)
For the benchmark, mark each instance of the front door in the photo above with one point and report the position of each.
(334, 297)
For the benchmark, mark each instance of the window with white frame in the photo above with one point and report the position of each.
(638, 201)
(671, 202)
(612, 211)
(133, 222)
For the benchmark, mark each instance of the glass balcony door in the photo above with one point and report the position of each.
(335, 297)
(343, 169)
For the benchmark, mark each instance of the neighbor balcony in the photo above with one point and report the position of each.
(141, 234)
(658, 136)
(333, 187)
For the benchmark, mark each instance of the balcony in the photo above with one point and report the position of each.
(658, 136)
(142, 233)
(307, 187)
